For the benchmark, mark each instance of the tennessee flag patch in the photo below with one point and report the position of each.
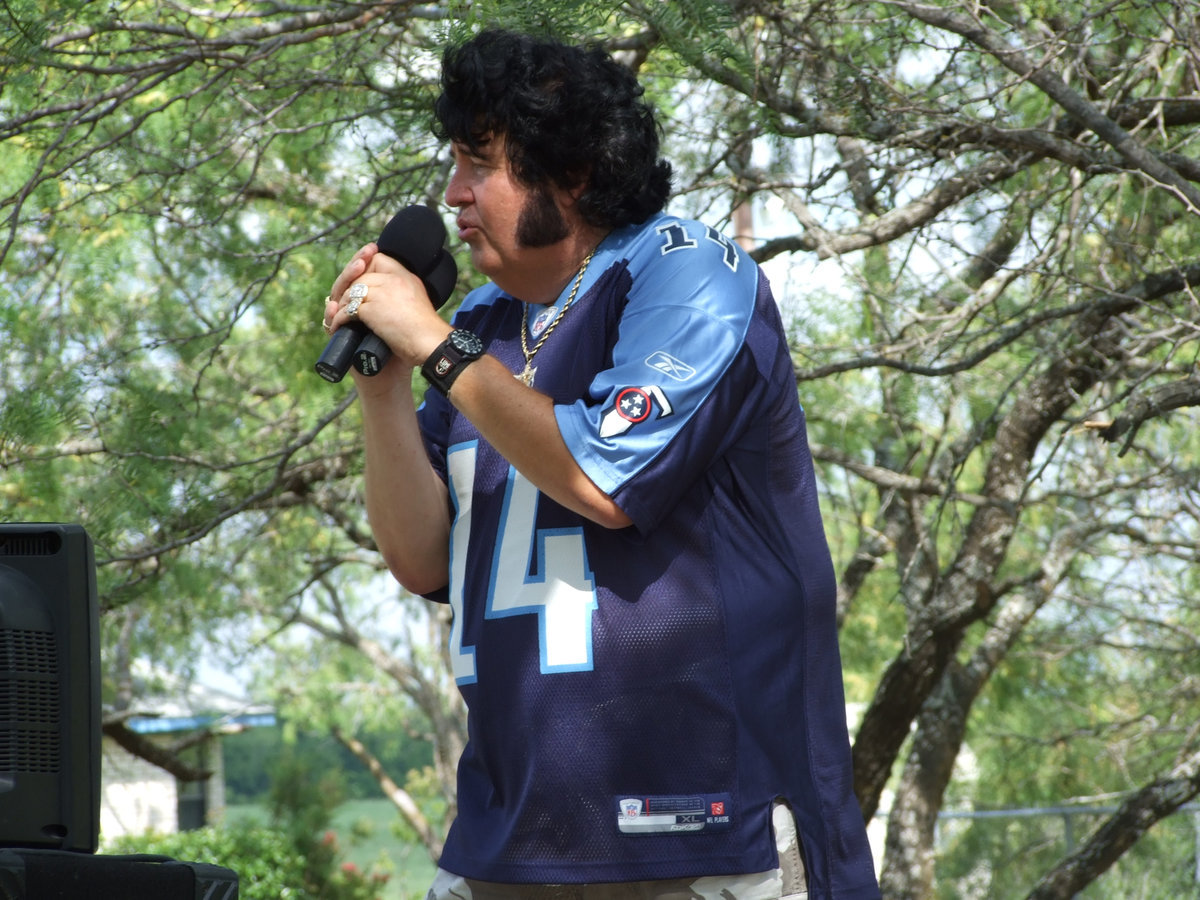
(632, 406)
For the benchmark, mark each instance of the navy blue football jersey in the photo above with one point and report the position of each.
(639, 697)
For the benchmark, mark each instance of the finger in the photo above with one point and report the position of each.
(352, 300)
(354, 268)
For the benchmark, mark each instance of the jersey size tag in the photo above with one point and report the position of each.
(689, 813)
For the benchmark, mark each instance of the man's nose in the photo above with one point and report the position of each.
(456, 191)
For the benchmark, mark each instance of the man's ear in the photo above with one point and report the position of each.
(579, 184)
(567, 198)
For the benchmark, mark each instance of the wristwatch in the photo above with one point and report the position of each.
(455, 353)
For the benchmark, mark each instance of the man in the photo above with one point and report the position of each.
(627, 530)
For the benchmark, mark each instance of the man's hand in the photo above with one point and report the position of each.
(396, 307)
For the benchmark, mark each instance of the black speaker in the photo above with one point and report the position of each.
(63, 875)
(49, 688)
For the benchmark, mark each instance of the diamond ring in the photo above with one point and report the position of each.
(357, 294)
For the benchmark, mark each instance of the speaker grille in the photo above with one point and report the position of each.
(29, 704)
(33, 543)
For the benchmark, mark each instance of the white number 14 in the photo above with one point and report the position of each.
(562, 594)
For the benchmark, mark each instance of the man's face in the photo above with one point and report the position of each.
(499, 217)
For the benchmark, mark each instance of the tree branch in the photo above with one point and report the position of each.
(942, 725)
(143, 747)
(1150, 404)
(1078, 108)
(895, 222)
(1154, 286)
(399, 797)
(963, 594)
(1152, 803)
(891, 480)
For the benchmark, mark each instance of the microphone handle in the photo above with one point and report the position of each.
(335, 360)
(372, 353)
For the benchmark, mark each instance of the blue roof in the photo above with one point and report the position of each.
(165, 724)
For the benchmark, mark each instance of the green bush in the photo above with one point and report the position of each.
(268, 862)
(268, 866)
(295, 856)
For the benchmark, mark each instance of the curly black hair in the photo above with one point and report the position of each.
(569, 115)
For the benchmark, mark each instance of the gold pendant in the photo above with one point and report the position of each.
(526, 377)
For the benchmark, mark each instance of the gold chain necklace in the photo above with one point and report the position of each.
(526, 376)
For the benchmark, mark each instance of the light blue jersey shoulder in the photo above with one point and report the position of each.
(690, 298)
(677, 262)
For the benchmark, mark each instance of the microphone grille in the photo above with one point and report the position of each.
(414, 237)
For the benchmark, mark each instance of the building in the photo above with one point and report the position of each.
(138, 796)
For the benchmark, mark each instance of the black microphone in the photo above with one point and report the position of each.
(415, 237)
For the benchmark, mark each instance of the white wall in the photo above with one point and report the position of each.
(135, 796)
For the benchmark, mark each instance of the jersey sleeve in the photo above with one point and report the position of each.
(672, 398)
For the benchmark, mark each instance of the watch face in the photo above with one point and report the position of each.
(465, 342)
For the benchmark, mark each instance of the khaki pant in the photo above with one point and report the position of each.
(785, 883)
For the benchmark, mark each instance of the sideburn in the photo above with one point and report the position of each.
(541, 222)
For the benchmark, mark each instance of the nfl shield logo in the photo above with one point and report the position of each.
(631, 808)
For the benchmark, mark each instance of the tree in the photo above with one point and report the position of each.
(981, 220)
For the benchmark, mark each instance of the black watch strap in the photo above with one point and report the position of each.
(453, 355)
